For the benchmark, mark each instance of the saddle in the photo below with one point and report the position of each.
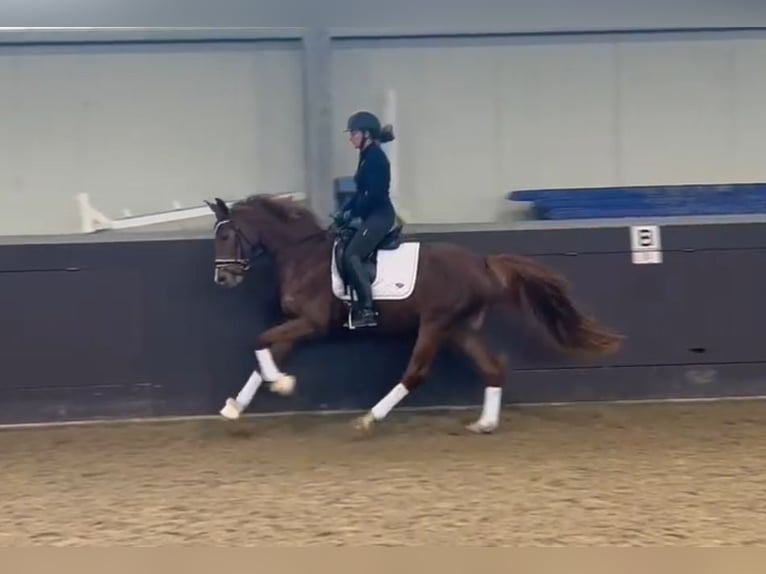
(391, 242)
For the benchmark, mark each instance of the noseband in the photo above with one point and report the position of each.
(244, 246)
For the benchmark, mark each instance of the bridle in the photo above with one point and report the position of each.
(244, 246)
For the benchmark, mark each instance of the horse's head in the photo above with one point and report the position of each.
(234, 246)
(254, 225)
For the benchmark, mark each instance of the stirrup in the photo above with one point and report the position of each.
(370, 320)
(349, 322)
(352, 326)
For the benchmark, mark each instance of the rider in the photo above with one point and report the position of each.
(372, 204)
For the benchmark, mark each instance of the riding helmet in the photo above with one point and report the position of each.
(364, 121)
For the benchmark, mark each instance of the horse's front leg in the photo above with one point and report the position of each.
(277, 341)
(275, 345)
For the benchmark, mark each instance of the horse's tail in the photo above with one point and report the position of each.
(547, 294)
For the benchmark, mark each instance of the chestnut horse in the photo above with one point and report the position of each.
(450, 291)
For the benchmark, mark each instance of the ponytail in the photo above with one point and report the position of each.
(386, 133)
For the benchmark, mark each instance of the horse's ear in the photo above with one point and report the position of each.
(222, 207)
(214, 208)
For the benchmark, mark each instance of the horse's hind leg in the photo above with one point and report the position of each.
(493, 369)
(430, 337)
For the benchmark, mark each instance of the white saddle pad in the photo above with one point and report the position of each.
(395, 277)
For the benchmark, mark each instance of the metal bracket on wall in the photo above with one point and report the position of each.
(92, 219)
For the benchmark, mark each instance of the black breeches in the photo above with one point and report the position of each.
(369, 236)
(364, 242)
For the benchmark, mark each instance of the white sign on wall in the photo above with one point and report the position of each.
(645, 244)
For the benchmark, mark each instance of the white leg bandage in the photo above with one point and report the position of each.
(384, 406)
(490, 413)
(269, 369)
(247, 393)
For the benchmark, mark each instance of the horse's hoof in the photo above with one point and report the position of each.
(481, 428)
(364, 423)
(285, 385)
(231, 410)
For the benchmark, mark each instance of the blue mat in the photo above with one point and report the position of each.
(615, 202)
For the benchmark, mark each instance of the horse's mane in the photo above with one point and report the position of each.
(283, 209)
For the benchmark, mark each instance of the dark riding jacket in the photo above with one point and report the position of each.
(372, 178)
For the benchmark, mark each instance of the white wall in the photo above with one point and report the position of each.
(139, 128)
(480, 118)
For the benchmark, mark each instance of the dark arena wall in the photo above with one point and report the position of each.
(136, 327)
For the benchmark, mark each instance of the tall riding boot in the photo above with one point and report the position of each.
(362, 314)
